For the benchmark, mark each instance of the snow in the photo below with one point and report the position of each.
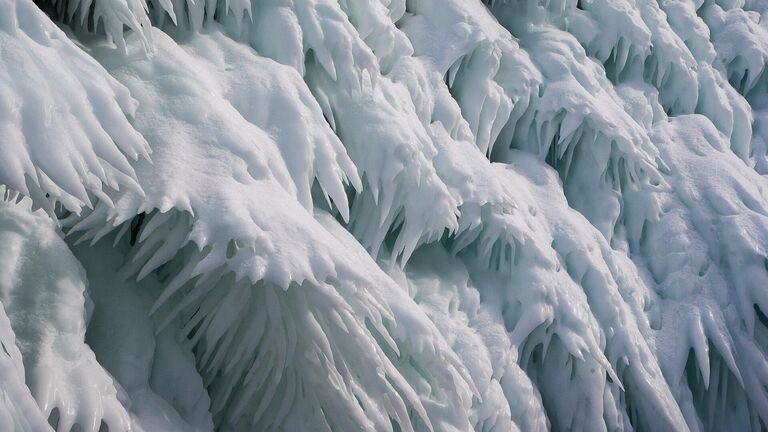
(270, 261)
(55, 98)
(49, 325)
(383, 215)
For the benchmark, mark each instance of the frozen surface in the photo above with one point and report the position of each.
(49, 323)
(383, 215)
(56, 99)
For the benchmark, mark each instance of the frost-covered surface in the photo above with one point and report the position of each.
(44, 291)
(390, 215)
(57, 100)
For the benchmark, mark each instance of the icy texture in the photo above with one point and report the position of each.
(121, 333)
(18, 410)
(55, 99)
(389, 215)
(44, 290)
(265, 366)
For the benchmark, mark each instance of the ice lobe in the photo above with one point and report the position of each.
(407, 215)
(57, 99)
(43, 288)
(240, 255)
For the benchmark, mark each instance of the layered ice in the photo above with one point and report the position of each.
(383, 215)
(58, 100)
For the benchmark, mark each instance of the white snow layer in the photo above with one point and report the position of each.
(384, 215)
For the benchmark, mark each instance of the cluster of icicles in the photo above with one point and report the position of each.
(384, 215)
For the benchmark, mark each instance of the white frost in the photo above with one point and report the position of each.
(383, 215)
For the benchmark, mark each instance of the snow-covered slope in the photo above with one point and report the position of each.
(384, 215)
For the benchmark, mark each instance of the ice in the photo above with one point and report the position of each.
(383, 215)
(707, 277)
(44, 290)
(127, 343)
(18, 410)
(249, 284)
(55, 98)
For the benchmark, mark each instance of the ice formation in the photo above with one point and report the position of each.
(383, 215)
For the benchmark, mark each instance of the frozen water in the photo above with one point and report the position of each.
(389, 215)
